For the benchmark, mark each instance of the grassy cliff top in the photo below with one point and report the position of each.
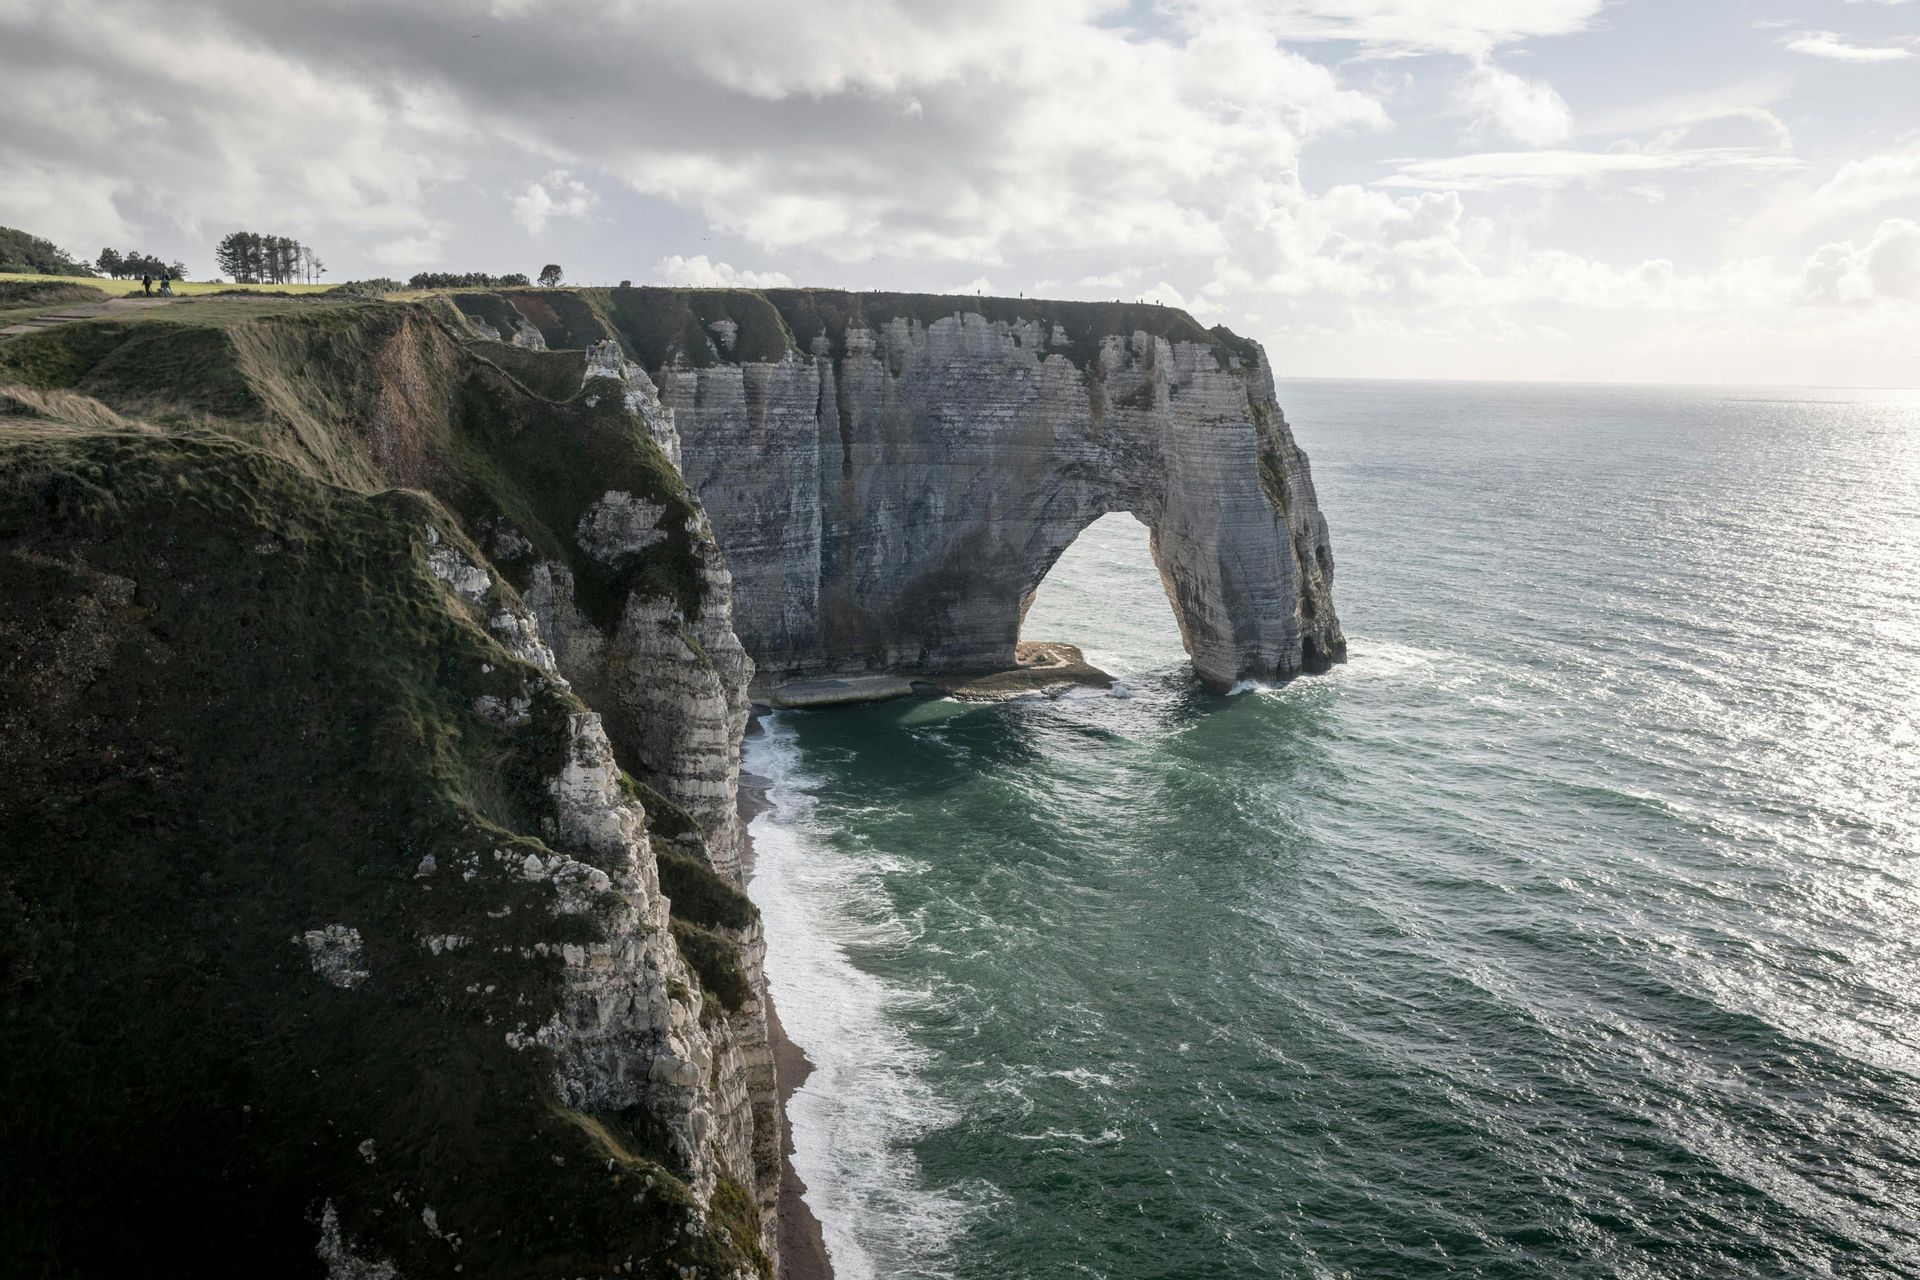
(658, 325)
(181, 288)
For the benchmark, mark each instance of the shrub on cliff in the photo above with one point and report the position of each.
(21, 293)
(373, 288)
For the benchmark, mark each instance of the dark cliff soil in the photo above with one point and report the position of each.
(236, 707)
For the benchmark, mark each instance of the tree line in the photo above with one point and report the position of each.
(465, 280)
(247, 257)
(133, 264)
(252, 258)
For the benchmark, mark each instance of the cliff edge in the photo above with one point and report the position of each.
(355, 922)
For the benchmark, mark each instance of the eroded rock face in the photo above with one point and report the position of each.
(674, 689)
(606, 362)
(632, 1032)
(893, 501)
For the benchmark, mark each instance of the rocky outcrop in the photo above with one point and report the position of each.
(671, 679)
(632, 1032)
(891, 499)
(361, 927)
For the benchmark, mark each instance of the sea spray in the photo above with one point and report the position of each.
(856, 1117)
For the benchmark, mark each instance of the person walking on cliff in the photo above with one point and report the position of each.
(146, 282)
(166, 284)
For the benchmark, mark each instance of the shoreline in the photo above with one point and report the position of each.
(802, 1245)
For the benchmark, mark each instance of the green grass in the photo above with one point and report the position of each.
(658, 325)
(715, 961)
(735, 1211)
(21, 291)
(181, 288)
(810, 313)
(368, 393)
(551, 375)
(565, 317)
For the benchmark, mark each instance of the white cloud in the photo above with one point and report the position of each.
(190, 131)
(558, 195)
(1827, 44)
(1885, 269)
(1528, 111)
(700, 273)
(1036, 130)
(1873, 181)
(1461, 26)
(1179, 149)
(408, 251)
(1547, 169)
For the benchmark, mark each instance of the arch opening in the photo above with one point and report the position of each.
(1104, 596)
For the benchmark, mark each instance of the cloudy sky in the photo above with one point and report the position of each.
(1672, 190)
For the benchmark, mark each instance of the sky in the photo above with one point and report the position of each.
(1589, 190)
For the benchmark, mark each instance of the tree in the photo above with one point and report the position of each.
(252, 258)
(109, 262)
(310, 265)
(550, 274)
(234, 256)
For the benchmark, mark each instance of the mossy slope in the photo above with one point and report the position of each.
(236, 706)
(375, 394)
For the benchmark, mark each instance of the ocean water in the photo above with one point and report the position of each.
(1571, 929)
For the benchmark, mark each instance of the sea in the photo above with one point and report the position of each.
(1570, 929)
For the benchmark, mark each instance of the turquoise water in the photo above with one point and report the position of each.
(1572, 929)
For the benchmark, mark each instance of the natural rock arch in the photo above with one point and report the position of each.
(889, 501)
(891, 474)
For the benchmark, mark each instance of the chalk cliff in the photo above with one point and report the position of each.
(891, 476)
(369, 731)
(372, 684)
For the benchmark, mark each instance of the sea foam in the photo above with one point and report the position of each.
(855, 1119)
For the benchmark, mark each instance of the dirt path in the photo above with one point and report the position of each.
(82, 311)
